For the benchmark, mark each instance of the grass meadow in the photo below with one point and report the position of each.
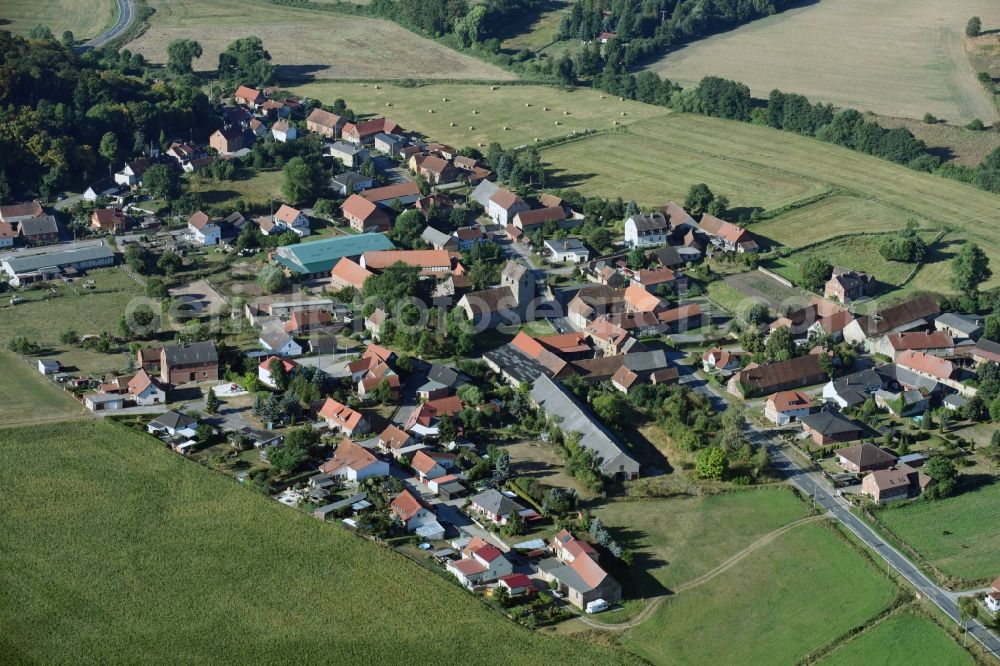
(86, 18)
(507, 106)
(957, 535)
(306, 42)
(257, 189)
(677, 540)
(784, 600)
(896, 57)
(115, 547)
(656, 160)
(26, 397)
(906, 633)
(537, 31)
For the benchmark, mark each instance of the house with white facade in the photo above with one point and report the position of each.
(569, 250)
(646, 230)
(203, 230)
(353, 463)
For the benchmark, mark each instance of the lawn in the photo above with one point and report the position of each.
(535, 32)
(777, 605)
(677, 540)
(725, 295)
(85, 18)
(851, 215)
(123, 548)
(924, 70)
(657, 160)
(856, 252)
(958, 535)
(905, 633)
(506, 106)
(257, 189)
(27, 397)
(46, 313)
(307, 42)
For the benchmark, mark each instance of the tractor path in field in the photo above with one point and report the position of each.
(700, 580)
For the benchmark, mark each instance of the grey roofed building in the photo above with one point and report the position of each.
(38, 226)
(510, 362)
(91, 255)
(494, 502)
(830, 424)
(191, 353)
(555, 400)
(275, 338)
(104, 187)
(954, 401)
(853, 389)
(441, 377)
(172, 421)
(646, 360)
(350, 181)
(324, 511)
(906, 377)
(484, 190)
(323, 344)
(438, 239)
(668, 256)
(971, 326)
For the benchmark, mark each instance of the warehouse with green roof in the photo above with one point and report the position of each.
(317, 258)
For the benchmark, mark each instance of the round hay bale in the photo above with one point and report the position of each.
(557, 122)
(506, 128)
(614, 122)
(624, 114)
(471, 127)
(493, 87)
(545, 108)
(602, 96)
(444, 99)
(388, 103)
(430, 110)
(565, 113)
(474, 112)
(527, 103)
(376, 87)
(451, 124)
(536, 138)
(481, 144)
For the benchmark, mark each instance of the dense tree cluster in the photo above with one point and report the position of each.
(65, 118)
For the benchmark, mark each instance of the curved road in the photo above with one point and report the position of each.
(126, 13)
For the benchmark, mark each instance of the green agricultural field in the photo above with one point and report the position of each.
(906, 633)
(27, 397)
(783, 601)
(307, 42)
(115, 547)
(85, 18)
(46, 313)
(677, 540)
(926, 69)
(503, 107)
(854, 215)
(257, 189)
(857, 252)
(657, 159)
(958, 535)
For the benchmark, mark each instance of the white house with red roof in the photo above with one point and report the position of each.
(145, 391)
(203, 230)
(352, 463)
(416, 515)
(577, 572)
(426, 467)
(993, 598)
(783, 407)
(264, 369)
(482, 563)
(423, 422)
(721, 360)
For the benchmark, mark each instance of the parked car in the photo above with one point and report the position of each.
(597, 605)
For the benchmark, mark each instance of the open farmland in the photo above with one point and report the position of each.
(784, 600)
(905, 633)
(155, 555)
(27, 397)
(895, 57)
(86, 18)
(957, 535)
(507, 106)
(677, 540)
(854, 215)
(759, 166)
(305, 42)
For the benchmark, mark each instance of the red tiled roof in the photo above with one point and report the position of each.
(921, 340)
(392, 192)
(358, 207)
(787, 401)
(340, 413)
(287, 214)
(405, 505)
(426, 259)
(927, 364)
(393, 437)
(351, 272)
(505, 198)
(535, 216)
(349, 455)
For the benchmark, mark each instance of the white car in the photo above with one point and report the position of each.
(597, 605)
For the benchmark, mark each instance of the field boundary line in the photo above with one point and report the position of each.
(704, 578)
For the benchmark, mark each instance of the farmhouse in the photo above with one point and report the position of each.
(556, 400)
(111, 220)
(908, 316)
(284, 132)
(14, 214)
(576, 570)
(503, 205)
(986, 351)
(317, 259)
(780, 376)
(144, 390)
(935, 343)
(434, 169)
(482, 563)
(498, 507)
(275, 340)
(34, 267)
(898, 483)
(438, 239)
(430, 262)
(727, 236)
(247, 96)
(925, 365)
(131, 174)
(106, 187)
(352, 463)
(646, 230)
(229, 140)
(41, 230)
(721, 360)
(364, 132)
(960, 326)
(864, 458)
(365, 216)
(786, 406)
(389, 144)
(528, 220)
(325, 123)
(351, 155)
(405, 193)
(847, 285)
(193, 362)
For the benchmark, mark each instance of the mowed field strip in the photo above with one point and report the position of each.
(86, 18)
(905, 633)
(507, 106)
(27, 397)
(895, 57)
(759, 166)
(305, 42)
(155, 555)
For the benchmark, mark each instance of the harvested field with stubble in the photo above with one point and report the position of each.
(893, 57)
(115, 547)
(85, 18)
(506, 106)
(656, 160)
(306, 43)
